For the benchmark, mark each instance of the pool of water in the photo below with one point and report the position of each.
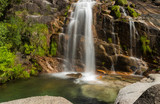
(46, 85)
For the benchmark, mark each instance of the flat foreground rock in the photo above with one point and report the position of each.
(40, 100)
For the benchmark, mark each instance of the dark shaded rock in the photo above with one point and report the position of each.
(150, 96)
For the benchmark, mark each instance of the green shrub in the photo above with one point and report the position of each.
(145, 45)
(34, 71)
(3, 5)
(9, 70)
(115, 11)
(132, 12)
(29, 49)
(3, 33)
(38, 38)
(121, 2)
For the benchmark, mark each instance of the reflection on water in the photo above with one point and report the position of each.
(45, 85)
(48, 84)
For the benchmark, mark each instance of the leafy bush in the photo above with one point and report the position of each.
(115, 11)
(3, 33)
(29, 49)
(8, 68)
(3, 5)
(11, 31)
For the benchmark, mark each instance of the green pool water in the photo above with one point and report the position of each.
(45, 85)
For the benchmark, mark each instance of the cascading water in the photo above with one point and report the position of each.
(80, 31)
(140, 63)
(132, 31)
(114, 41)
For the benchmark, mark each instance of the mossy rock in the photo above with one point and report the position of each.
(132, 12)
(121, 2)
(115, 11)
(133, 5)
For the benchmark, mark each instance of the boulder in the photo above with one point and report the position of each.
(40, 100)
(150, 96)
(130, 93)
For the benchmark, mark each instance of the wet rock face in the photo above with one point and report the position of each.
(150, 96)
(105, 25)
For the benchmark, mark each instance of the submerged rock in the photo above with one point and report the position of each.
(40, 100)
(129, 94)
(102, 93)
(107, 91)
(73, 75)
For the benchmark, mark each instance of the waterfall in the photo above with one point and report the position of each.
(114, 41)
(132, 31)
(80, 35)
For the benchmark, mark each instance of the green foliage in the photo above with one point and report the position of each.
(132, 12)
(3, 33)
(53, 48)
(21, 13)
(38, 39)
(121, 2)
(8, 68)
(67, 8)
(133, 5)
(40, 51)
(16, 27)
(145, 45)
(109, 40)
(158, 69)
(10, 32)
(115, 10)
(3, 5)
(29, 49)
(34, 71)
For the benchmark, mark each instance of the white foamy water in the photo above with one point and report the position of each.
(88, 78)
(80, 27)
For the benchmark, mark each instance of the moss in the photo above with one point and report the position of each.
(132, 12)
(115, 11)
(53, 48)
(67, 9)
(133, 5)
(123, 19)
(145, 45)
(109, 40)
(21, 13)
(49, 8)
(121, 2)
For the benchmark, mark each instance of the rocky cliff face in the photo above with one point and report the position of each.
(114, 46)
